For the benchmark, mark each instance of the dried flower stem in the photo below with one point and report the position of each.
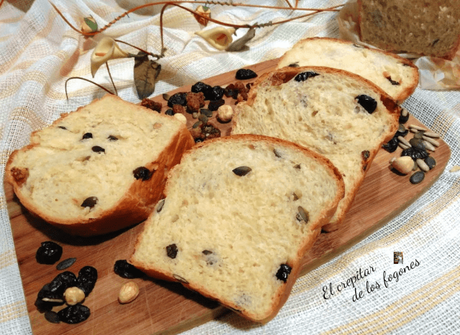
(92, 82)
(176, 3)
(110, 76)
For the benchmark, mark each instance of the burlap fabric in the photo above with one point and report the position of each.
(39, 51)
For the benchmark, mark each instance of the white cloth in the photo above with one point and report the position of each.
(39, 51)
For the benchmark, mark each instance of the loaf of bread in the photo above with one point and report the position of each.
(333, 112)
(100, 168)
(430, 28)
(239, 213)
(397, 76)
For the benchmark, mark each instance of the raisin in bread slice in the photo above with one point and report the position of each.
(336, 113)
(100, 168)
(430, 28)
(397, 76)
(239, 214)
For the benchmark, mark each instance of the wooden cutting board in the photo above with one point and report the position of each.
(164, 307)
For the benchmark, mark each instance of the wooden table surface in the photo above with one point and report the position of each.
(164, 307)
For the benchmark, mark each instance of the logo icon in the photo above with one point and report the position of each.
(398, 257)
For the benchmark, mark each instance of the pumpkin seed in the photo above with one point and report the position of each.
(417, 177)
(302, 215)
(430, 161)
(242, 170)
(66, 263)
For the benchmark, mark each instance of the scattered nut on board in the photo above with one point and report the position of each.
(74, 295)
(225, 113)
(128, 292)
(181, 117)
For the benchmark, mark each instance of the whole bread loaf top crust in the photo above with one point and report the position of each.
(98, 169)
(237, 210)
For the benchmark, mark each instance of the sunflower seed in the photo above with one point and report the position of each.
(431, 140)
(429, 146)
(422, 165)
(404, 141)
(179, 278)
(413, 126)
(431, 134)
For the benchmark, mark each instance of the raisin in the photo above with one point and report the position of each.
(404, 117)
(87, 278)
(74, 314)
(98, 149)
(305, 75)
(89, 202)
(392, 145)
(48, 253)
(112, 138)
(126, 270)
(169, 111)
(200, 87)
(283, 272)
(87, 135)
(415, 153)
(402, 131)
(242, 74)
(62, 127)
(215, 104)
(368, 103)
(45, 293)
(393, 82)
(171, 251)
(142, 173)
(231, 92)
(150, 104)
(178, 99)
(215, 93)
(67, 263)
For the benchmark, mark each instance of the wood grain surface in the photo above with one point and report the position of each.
(167, 308)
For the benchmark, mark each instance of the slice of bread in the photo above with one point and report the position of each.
(430, 28)
(100, 168)
(397, 76)
(336, 113)
(239, 214)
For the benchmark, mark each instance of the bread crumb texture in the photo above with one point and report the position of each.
(322, 113)
(90, 153)
(227, 234)
(423, 27)
(395, 75)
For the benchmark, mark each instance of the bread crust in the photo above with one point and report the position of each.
(409, 87)
(314, 231)
(133, 207)
(283, 75)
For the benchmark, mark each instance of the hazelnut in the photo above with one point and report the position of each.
(181, 117)
(224, 113)
(403, 164)
(74, 295)
(128, 292)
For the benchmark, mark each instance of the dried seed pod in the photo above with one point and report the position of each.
(218, 37)
(403, 164)
(89, 25)
(242, 170)
(128, 292)
(203, 15)
(105, 50)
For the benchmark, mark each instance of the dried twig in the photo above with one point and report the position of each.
(92, 82)
(110, 76)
